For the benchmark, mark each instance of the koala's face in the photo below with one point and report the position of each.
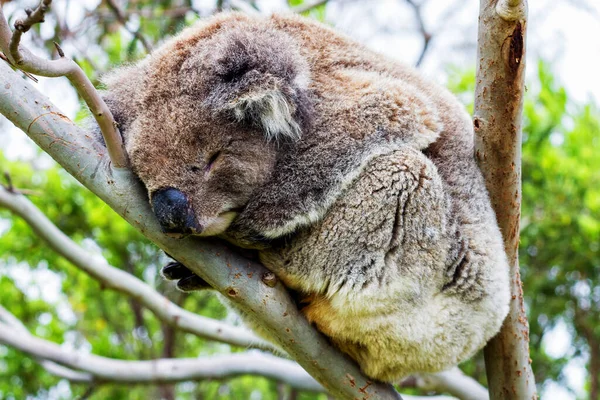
(213, 109)
(199, 182)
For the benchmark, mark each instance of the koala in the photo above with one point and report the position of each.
(351, 175)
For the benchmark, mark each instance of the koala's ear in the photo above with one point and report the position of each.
(262, 80)
(270, 109)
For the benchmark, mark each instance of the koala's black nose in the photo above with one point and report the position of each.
(174, 212)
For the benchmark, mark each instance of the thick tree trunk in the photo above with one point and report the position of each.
(497, 121)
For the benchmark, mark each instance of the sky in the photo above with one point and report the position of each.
(563, 32)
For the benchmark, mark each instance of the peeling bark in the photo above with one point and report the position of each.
(497, 122)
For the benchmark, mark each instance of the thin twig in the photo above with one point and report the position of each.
(23, 25)
(27, 74)
(123, 20)
(9, 185)
(424, 32)
(28, 62)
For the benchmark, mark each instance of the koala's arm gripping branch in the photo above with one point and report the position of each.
(234, 276)
(497, 122)
(28, 62)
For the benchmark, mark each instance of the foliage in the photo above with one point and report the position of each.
(561, 222)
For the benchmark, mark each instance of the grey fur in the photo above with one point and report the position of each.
(353, 175)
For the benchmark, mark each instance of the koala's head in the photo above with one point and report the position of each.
(205, 116)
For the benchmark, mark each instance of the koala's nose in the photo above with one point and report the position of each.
(174, 212)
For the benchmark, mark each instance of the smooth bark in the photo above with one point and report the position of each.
(165, 370)
(454, 382)
(497, 122)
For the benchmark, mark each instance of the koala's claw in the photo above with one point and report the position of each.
(176, 270)
(192, 283)
(187, 281)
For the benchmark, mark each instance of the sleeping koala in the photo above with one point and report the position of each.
(352, 175)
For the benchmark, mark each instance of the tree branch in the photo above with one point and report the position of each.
(74, 376)
(497, 121)
(164, 370)
(235, 277)
(102, 369)
(28, 62)
(288, 372)
(123, 282)
(424, 32)
(454, 382)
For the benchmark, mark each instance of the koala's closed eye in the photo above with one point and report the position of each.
(212, 160)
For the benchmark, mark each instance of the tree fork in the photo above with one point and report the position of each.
(24, 60)
(497, 121)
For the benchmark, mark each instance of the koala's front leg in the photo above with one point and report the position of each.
(245, 238)
(187, 281)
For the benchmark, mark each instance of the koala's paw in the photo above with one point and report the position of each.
(246, 240)
(187, 281)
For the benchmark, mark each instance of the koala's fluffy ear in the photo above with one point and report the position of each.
(271, 110)
(261, 79)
